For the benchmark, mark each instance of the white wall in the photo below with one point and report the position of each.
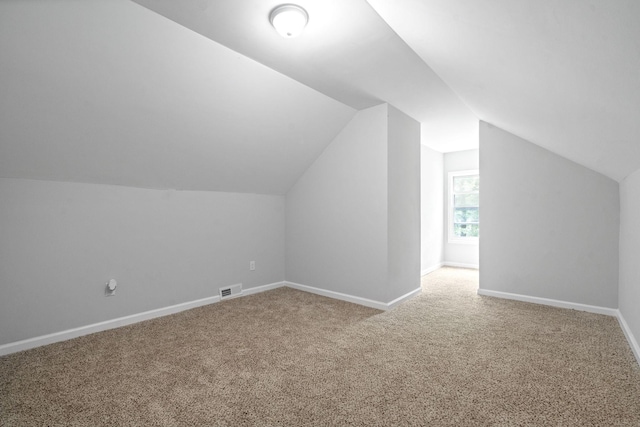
(463, 254)
(353, 219)
(549, 226)
(629, 290)
(431, 209)
(60, 243)
(403, 204)
(336, 214)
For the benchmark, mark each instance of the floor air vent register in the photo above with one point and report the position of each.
(231, 291)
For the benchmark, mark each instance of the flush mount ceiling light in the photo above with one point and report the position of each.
(289, 20)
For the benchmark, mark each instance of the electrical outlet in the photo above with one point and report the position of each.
(252, 265)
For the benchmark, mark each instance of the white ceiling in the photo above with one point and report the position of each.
(108, 91)
(562, 74)
(346, 52)
(105, 91)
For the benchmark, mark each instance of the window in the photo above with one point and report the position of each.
(464, 206)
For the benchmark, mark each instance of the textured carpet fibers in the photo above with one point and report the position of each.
(285, 357)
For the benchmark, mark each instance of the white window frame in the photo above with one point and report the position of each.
(451, 237)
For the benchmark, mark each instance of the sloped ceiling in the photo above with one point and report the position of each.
(108, 91)
(346, 52)
(562, 74)
(105, 91)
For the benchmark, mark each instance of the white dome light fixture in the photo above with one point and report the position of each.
(289, 20)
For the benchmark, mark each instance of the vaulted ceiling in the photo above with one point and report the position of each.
(106, 91)
(347, 51)
(564, 75)
(204, 95)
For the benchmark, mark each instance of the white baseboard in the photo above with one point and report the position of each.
(551, 302)
(263, 288)
(635, 348)
(460, 265)
(404, 298)
(353, 299)
(431, 269)
(448, 264)
(337, 295)
(102, 326)
(152, 314)
(27, 344)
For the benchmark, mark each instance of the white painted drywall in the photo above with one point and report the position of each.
(561, 74)
(431, 209)
(61, 242)
(358, 61)
(464, 254)
(345, 231)
(336, 214)
(403, 204)
(549, 226)
(109, 92)
(629, 290)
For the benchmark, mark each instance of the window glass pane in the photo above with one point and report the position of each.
(466, 215)
(466, 184)
(466, 200)
(466, 230)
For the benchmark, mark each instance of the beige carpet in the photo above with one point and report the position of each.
(285, 357)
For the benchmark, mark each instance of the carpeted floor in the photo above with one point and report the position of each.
(284, 357)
